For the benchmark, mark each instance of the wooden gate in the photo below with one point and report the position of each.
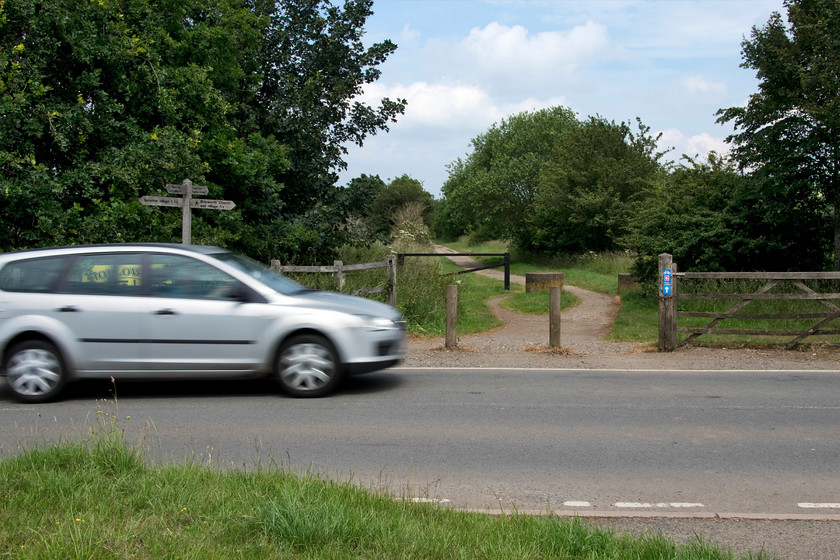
(796, 290)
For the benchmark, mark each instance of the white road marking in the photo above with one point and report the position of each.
(573, 503)
(643, 505)
(819, 505)
(430, 500)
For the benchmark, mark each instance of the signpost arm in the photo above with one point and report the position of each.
(186, 202)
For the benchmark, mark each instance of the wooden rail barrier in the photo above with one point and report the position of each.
(505, 263)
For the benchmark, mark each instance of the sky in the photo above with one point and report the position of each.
(465, 65)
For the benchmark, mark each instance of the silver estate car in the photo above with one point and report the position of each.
(149, 311)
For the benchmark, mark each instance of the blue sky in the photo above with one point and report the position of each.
(464, 65)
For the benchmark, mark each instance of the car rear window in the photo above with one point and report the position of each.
(32, 275)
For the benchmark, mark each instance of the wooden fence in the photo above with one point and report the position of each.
(339, 269)
(669, 295)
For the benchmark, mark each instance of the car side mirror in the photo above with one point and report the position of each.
(239, 293)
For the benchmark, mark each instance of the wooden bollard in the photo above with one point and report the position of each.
(541, 281)
(627, 282)
(451, 316)
(554, 305)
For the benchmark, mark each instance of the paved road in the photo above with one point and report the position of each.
(734, 444)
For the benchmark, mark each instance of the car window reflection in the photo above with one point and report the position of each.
(176, 276)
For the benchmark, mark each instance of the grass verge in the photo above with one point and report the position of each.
(98, 499)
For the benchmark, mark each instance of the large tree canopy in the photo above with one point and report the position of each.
(492, 192)
(790, 128)
(598, 173)
(550, 183)
(102, 102)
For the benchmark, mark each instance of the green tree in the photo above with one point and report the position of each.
(710, 216)
(395, 196)
(103, 102)
(493, 191)
(790, 129)
(598, 171)
(314, 64)
(359, 196)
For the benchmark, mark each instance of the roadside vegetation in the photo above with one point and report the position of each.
(98, 498)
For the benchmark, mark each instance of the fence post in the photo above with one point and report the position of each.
(667, 303)
(339, 274)
(451, 316)
(507, 272)
(392, 277)
(554, 304)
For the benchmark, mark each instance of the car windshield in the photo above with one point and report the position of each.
(262, 273)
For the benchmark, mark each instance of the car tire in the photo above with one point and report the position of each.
(308, 366)
(35, 371)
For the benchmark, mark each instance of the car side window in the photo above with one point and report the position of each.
(184, 277)
(32, 275)
(106, 274)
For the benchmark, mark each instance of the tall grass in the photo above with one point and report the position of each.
(97, 499)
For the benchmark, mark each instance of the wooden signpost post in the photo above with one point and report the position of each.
(186, 202)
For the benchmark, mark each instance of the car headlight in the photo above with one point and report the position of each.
(381, 323)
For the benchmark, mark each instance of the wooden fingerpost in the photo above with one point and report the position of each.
(667, 303)
(554, 297)
(451, 316)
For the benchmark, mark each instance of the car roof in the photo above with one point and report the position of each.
(201, 249)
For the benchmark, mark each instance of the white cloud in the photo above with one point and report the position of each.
(692, 146)
(499, 48)
(512, 62)
(699, 85)
(409, 35)
(441, 105)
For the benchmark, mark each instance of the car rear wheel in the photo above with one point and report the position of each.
(35, 372)
(308, 366)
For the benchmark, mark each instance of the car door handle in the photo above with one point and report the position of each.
(166, 312)
(69, 309)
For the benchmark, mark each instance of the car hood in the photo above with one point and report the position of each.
(352, 305)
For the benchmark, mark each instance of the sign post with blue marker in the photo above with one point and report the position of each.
(667, 303)
(666, 282)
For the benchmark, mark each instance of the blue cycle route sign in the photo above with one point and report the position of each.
(666, 282)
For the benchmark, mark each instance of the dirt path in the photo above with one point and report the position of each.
(583, 329)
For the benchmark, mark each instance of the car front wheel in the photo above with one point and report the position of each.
(34, 371)
(308, 366)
